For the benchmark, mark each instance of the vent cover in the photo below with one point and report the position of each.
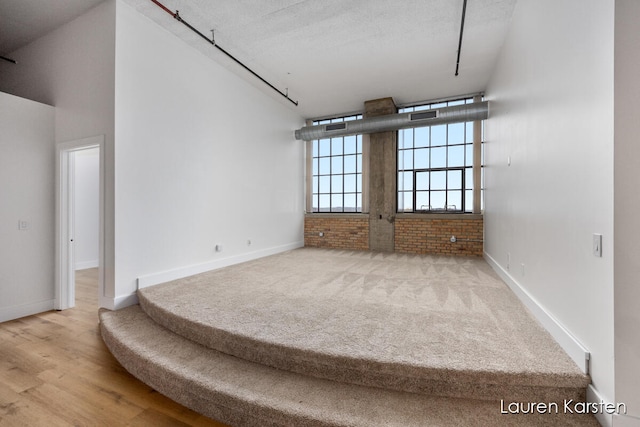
(422, 115)
(335, 126)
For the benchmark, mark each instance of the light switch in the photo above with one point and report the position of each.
(597, 245)
(23, 225)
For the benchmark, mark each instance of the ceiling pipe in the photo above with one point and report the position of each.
(177, 17)
(391, 122)
(13, 61)
(464, 12)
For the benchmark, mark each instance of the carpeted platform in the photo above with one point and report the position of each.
(443, 332)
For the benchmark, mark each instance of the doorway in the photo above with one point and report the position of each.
(69, 188)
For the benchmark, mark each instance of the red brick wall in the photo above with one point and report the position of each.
(416, 234)
(340, 231)
(421, 234)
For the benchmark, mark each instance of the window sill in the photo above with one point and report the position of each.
(336, 215)
(438, 215)
(407, 215)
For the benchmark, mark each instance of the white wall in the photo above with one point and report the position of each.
(196, 146)
(202, 158)
(72, 68)
(86, 208)
(627, 206)
(26, 194)
(552, 114)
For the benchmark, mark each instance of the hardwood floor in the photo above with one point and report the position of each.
(56, 371)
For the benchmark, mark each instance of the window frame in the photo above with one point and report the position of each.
(337, 174)
(407, 198)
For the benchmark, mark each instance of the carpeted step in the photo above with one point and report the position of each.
(436, 326)
(242, 393)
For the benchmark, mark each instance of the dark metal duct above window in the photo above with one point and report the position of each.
(391, 122)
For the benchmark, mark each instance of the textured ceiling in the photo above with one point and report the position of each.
(332, 55)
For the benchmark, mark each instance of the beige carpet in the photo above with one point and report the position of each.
(436, 325)
(316, 337)
(243, 394)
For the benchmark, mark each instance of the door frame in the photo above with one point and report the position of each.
(65, 221)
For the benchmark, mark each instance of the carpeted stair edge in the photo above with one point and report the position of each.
(243, 393)
(487, 385)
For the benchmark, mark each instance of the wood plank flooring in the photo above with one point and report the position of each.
(56, 371)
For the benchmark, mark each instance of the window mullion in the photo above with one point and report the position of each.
(415, 191)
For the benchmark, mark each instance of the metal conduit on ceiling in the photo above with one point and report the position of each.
(4, 58)
(464, 12)
(177, 17)
(391, 122)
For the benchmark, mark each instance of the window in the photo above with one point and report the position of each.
(337, 171)
(435, 165)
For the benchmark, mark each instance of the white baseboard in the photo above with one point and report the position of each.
(179, 273)
(18, 311)
(605, 420)
(614, 415)
(87, 264)
(565, 339)
(123, 301)
(119, 302)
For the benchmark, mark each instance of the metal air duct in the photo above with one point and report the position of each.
(414, 119)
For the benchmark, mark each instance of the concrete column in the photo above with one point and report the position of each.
(382, 179)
